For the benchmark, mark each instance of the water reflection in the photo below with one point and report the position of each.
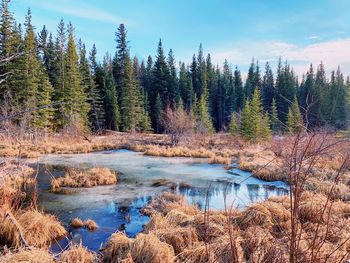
(117, 207)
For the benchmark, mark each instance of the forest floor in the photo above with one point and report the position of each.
(179, 232)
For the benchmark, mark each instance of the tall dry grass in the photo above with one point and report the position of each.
(89, 178)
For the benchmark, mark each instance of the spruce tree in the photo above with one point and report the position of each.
(255, 124)
(131, 108)
(31, 70)
(248, 122)
(160, 85)
(250, 81)
(285, 89)
(234, 126)
(267, 91)
(75, 105)
(275, 124)
(158, 108)
(238, 84)
(96, 113)
(119, 60)
(173, 92)
(202, 116)
(294, 118)
(106, 85)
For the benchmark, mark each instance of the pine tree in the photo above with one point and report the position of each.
(234, 126)
(160, 85)
(255, 124)
(230, 98)
(173, 92)
(248, 123)
(75, 105)
(275, 124)
(238, 84)
(267, 91)
(31, 70)
(204, 122)
(294, 118)
(96, 113)
(131, 108)
(250, 82)
(158, 107)
(202, 73)
(285, 89)
(121, 55)
(7, 48)
(106, 85)
(185, 87)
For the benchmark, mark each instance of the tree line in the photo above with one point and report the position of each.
(125, 94)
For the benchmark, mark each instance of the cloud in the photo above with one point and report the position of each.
(82, 11)
(332, 53)
(313, 38)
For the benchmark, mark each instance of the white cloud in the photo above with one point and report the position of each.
(332, 53)
(314, 38)
(83, 11)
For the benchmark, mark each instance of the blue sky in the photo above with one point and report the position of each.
(300, 31)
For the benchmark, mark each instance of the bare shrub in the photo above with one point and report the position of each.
(177, 123)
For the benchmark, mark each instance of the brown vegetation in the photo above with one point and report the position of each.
(310, 225)
(77, 254)
(77, 223)
(89, 178)
(90, 225)
(38, 229)
(27, 256)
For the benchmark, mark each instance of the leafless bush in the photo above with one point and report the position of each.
(303, 153)
(177, 123)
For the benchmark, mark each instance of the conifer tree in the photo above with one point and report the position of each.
(255, 124)
(96, 113)
(160, 85)
(234, 126)
(174, 95)
(285, 89)
(131, 108)
(275, 125)
(121, 55)
(250, 81)
(204, 122)
(158, 107)
(31, 69)
(267, 91)
(294, 118)
(248, 122)
(240, 98)
(75, 100)
(106, 85)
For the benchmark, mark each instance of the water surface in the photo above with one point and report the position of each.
(117, 207)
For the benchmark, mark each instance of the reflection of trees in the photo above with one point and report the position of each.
(253, 192)
(198, 194)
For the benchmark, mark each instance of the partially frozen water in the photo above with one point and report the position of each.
(117, 207)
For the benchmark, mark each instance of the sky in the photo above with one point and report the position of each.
(301, 31)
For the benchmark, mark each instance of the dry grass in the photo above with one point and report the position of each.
(179, 238)
(168, 201)
(15, 178)
(77, 223)
(77, 254)
(39, 229)
(90, 225)
(117, 249)
(149, 249)
(257, 234)
(89, 178)
(220, 160)
(27, 256)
